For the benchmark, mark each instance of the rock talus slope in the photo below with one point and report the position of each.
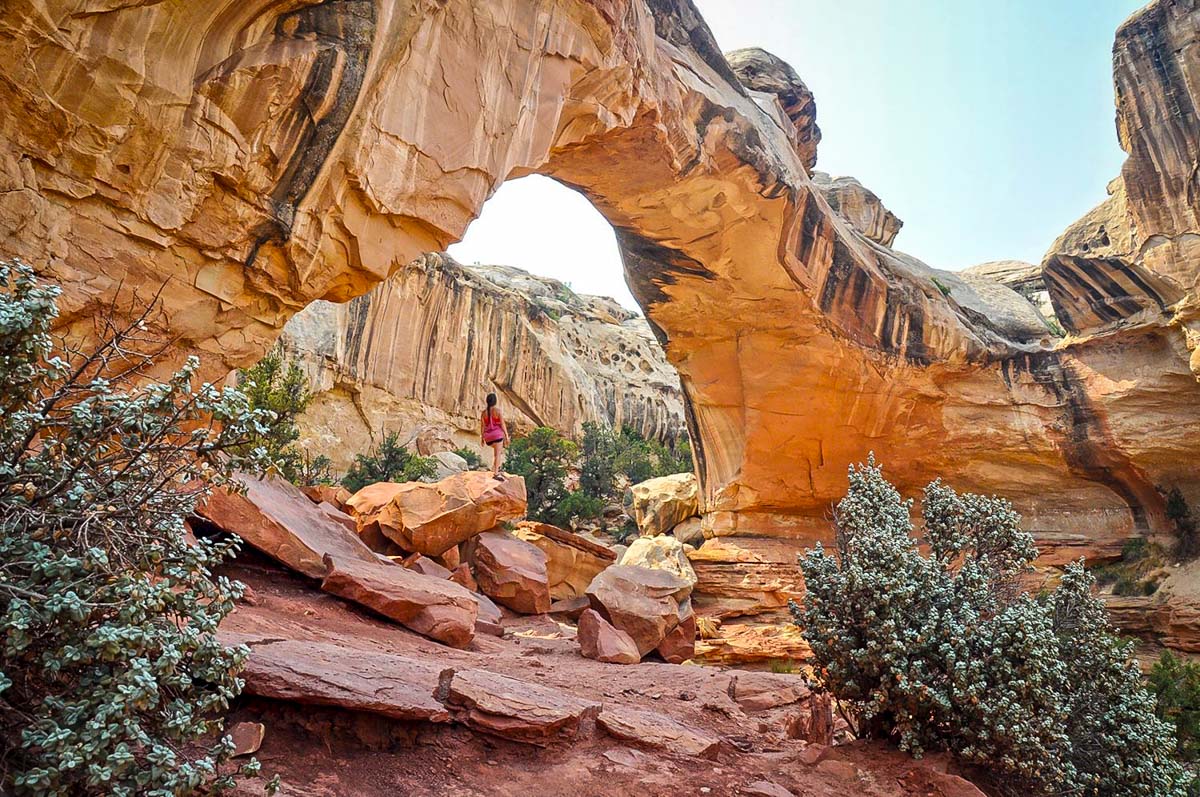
(136, 149)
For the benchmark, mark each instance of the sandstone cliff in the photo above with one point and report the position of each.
(255, 157)
(426, 346)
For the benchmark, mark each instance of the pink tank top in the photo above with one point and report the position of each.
(492, 431)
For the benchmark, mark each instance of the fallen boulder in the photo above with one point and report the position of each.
(511, 572)
(571, 560)
(433, 518)
(679, 644)
(663, 503)
(646, 604)
(689, 532)
(334, 494)
(600, 641)
(433, 607)
(323, 674)
(279, 520)
(660, 552)
(513, 709)
(656, 730)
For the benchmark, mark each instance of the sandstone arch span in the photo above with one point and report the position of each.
(258, 155)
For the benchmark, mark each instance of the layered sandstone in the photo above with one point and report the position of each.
(425, 347)
(137, 150)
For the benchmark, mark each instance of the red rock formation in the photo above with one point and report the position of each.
(434, 518)
(432, 606)
(511, 571)
(645, 604)
(600, 641)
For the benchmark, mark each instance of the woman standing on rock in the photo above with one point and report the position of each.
(493, 432)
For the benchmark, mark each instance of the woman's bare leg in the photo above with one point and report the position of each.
(496, 457)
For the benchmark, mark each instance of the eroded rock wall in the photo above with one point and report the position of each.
(426, 347)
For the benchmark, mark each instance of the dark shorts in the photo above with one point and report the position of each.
(493, 441)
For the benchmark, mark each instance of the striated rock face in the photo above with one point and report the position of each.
(1156, 70)
(426, 346)
(258, 156)
(859, 206)
(763, 73)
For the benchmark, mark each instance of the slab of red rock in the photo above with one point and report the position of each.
(247, 737)
(600, 641)
(572, 608)
(433, 518)
(656, 730)
(511, 572)
(432, 606)
(679, 644)
(928, 782)
(765, 788)
(337, 515)
(463, 575)
(426, 566)
(511, 708)
(334, 494)
(762, 691)
(279, 520)
(572, 561)
(318, 673)
(646, 604)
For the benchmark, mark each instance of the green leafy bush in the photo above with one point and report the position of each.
(576, 506)
(111, 678)
(946, 652)
(605, 455)
(543, 458)
(388, 462)
(473, 460)
(282, 391)
(1175, 684)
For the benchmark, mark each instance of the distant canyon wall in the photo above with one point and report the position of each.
(255, 156)
(425, 347)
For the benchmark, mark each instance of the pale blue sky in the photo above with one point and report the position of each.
(986, 126)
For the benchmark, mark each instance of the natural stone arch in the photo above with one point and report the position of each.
(137, 150)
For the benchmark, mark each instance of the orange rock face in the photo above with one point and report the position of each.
(511, 571)
(571, 560)
(433, 518)
(137, 150)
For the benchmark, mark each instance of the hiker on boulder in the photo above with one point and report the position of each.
(493, 432)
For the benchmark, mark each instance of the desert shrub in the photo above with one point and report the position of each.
(1133, 574)
(473, 460)
(281, 390)
(543, 458)
(388, 462)
(1187, 540)
(1175, 684)
(111, 678)
(946, 652)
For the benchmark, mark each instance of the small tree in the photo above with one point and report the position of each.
(281, 390)
(388, 462)
(543, 458)
(945, 652)
(111, 677)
